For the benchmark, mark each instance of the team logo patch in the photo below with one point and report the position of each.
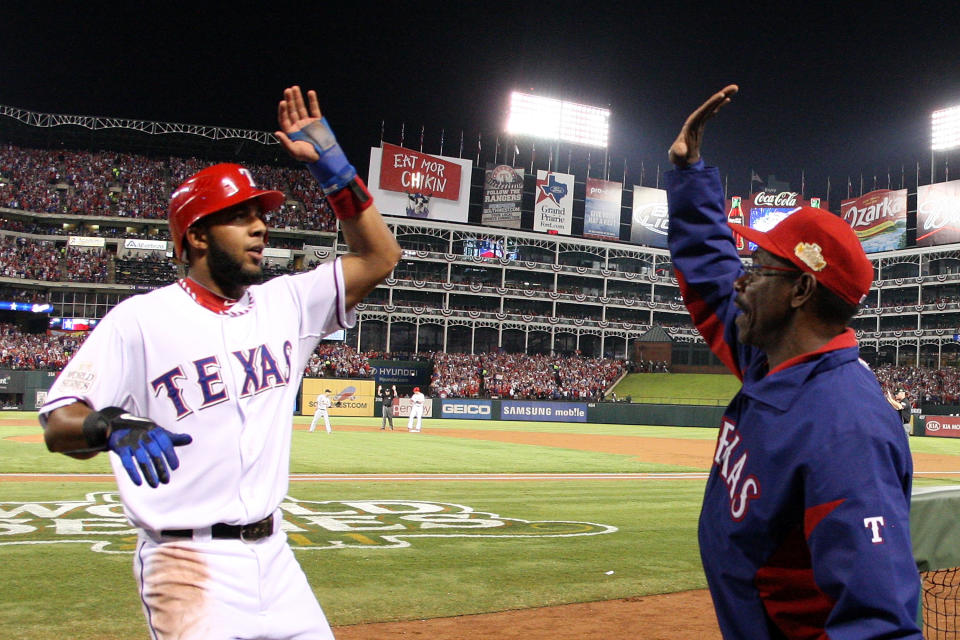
(811, 254)
(98, 521)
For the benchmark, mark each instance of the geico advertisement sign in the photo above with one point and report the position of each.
(943, 426)
(402, 408)
(466, 409)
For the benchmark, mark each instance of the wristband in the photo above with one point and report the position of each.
(96, 427)
(350, 201)
(332, 169)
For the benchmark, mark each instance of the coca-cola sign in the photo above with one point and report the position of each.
(938, 214)
(782, 199)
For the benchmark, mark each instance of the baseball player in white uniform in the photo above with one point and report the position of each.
(416, 411)
(190, 388)
(323, 404)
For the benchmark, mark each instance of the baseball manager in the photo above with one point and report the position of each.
(804, 530)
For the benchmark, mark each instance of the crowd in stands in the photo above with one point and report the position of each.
(33, 351)
(922, 384)
(11, 294)
(501, 375)
(523, 376)
(498, 375)
(136, 186)
(31, 259)
(86, 264)
(153, 269)
(337, 360)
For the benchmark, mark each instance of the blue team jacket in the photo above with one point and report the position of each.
(804, 530)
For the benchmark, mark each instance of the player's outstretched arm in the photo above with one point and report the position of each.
(144, 447)
(307, 137)
(685, 150)
(63, 432)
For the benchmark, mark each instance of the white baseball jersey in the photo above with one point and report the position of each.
(416, 411)
(323, 403)
(227, 374)
(417, 401)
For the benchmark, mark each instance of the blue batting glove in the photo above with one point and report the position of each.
(333, 171)
(143, 445)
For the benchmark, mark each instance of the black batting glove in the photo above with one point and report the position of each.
(143, 445)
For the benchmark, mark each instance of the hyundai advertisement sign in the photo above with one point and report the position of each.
(543, 411)
(466, 409)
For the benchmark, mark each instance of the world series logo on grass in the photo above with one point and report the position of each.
(98, 521)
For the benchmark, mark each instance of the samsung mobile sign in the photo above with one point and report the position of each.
(543, 411)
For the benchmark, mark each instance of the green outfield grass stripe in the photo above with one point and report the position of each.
(381, 477)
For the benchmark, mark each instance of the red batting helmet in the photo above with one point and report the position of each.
(210, 190)
(416, 389)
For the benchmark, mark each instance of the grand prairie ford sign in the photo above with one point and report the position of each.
(98, 521)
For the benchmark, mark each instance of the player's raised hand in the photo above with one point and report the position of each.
(293, 115)
(685, 150)
(143, 445)
(307, 137)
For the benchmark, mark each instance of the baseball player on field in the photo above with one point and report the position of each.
(190, 389)
(804, 529)
(323, 404)
(416, 411)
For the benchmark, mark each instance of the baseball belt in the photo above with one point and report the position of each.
(246, 532)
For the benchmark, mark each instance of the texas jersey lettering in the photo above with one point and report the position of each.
(232, 395)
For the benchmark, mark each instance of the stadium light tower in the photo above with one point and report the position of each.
(945, 132)
(558, 120)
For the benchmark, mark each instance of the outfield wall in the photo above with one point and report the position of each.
(593, 412)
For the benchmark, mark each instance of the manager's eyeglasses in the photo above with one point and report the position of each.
(751, 271)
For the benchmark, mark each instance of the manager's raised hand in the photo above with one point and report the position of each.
(685, 150)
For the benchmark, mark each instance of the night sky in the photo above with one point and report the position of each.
(835, 90)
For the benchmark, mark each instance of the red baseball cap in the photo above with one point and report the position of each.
(416, 389)
(818, 242)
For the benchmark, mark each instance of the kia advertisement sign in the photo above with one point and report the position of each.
(943, 426)
(466, 409)
(879, 218)
(543, 411)
(938, 213)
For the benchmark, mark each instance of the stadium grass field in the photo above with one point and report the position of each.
(492, 543)
(678, 388)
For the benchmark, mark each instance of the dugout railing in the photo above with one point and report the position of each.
(935, 531)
